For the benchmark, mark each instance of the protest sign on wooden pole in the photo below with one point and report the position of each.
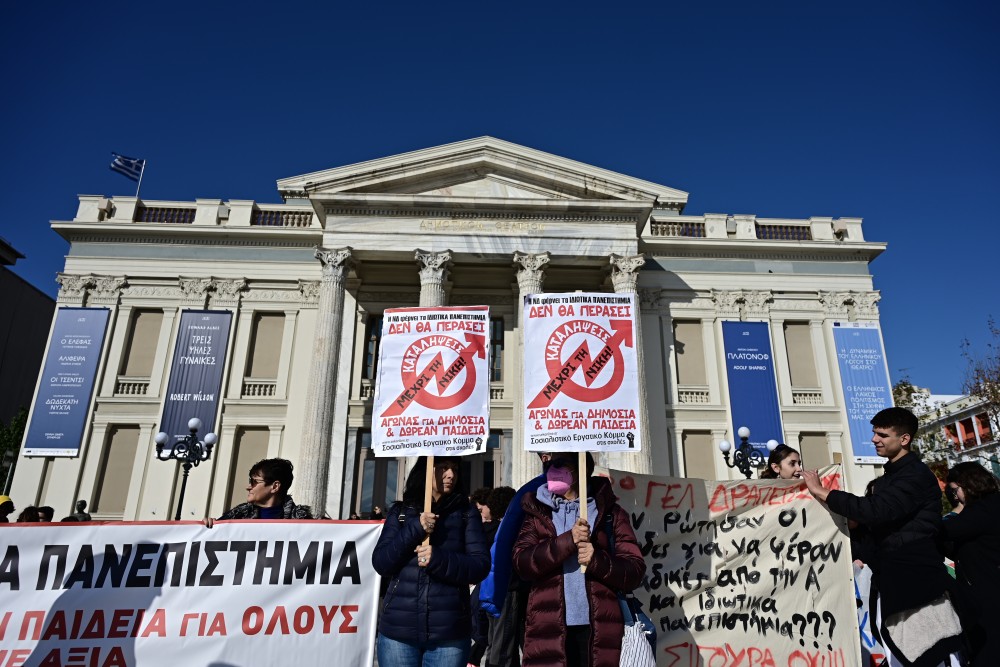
(581, 376)
(432, 389)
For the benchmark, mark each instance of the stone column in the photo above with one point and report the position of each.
(314, 457)
(530, 276)
(433, 267)
(433, 274)
(624, 278)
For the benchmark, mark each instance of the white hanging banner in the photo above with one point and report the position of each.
(157, 594)
(581, 373)
(432, 393)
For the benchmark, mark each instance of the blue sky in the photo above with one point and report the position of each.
(781, 109)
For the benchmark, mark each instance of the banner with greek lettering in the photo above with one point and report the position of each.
(62, 403)
(753, 391)
(743, 572)
(241, 594)
(432, 393)
(581, 373)
(196, 371)
(865, 381)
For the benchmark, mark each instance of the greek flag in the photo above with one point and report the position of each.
(128, 167)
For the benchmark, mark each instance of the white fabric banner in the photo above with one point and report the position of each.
(743, 572)
(244, 593)
(581, 373)
(432, 394)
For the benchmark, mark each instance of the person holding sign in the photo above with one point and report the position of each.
(574, 618)
(431, 559)
(913, 612)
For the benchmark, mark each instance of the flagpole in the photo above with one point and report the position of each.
(141, 172)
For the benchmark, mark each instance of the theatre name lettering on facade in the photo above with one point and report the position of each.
(478, 222)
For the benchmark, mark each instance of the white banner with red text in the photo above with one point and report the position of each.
(432, 393)
(749, 573)
(581, 373)
(243, 593)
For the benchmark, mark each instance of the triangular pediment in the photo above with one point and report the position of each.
(481, 168)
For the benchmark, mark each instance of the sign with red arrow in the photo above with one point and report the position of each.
(581, 373)
(432, 387)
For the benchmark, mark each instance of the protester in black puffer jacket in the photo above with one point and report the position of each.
(427, 605)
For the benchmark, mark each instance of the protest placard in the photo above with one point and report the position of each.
(244, 593)
(581, 373)
(751, 573)
(432, 389)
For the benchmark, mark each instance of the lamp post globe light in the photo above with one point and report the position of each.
(188, 450)
(745, 458)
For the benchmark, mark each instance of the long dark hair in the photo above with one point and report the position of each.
(778, 454)
(975, 481)
(413, 492)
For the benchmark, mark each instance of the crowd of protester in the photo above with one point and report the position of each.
(521, 578)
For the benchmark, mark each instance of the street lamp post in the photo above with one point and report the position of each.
(189, 450)
(745, 458)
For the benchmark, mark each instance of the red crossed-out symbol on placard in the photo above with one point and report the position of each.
(561, 372)
(441, 375)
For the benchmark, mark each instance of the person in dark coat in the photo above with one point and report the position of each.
(973, 540)
(573, 618)
(901, 524)
(426, 616)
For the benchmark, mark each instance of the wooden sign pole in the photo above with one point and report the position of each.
(428, 484)
(581, 475)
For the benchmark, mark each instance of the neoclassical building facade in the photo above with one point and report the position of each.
(478, 222)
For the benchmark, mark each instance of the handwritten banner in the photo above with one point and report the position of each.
(581, 386)
(244, 593)
(62, 404)
(865, 382)
(196, 371)
(432, 394)
(752, 573)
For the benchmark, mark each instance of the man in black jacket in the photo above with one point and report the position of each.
(899, 526)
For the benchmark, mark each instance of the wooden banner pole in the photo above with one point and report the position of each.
(581, 475)
(428, 484)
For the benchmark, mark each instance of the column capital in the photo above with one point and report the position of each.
(743, 303)
(227, 293)
(309, 291)
(195, 290)
(73, 288)
(649, 298)
(432, 264)
(106, 290)
(531, 272)
(334, 261)
(623, 271)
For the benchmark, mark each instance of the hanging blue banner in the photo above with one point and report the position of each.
(753, 391)
(196, 371)
(865, 381)
(62, 403)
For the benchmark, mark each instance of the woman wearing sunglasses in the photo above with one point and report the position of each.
(574, 618)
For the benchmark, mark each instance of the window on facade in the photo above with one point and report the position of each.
(379, 478)
(801, 362)
(815, 450)
(249, 447)
(141, 351)
(265, 345)
(699, 454)
(496, 349)
(689, 351)
(373, 336)
(116, 469)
